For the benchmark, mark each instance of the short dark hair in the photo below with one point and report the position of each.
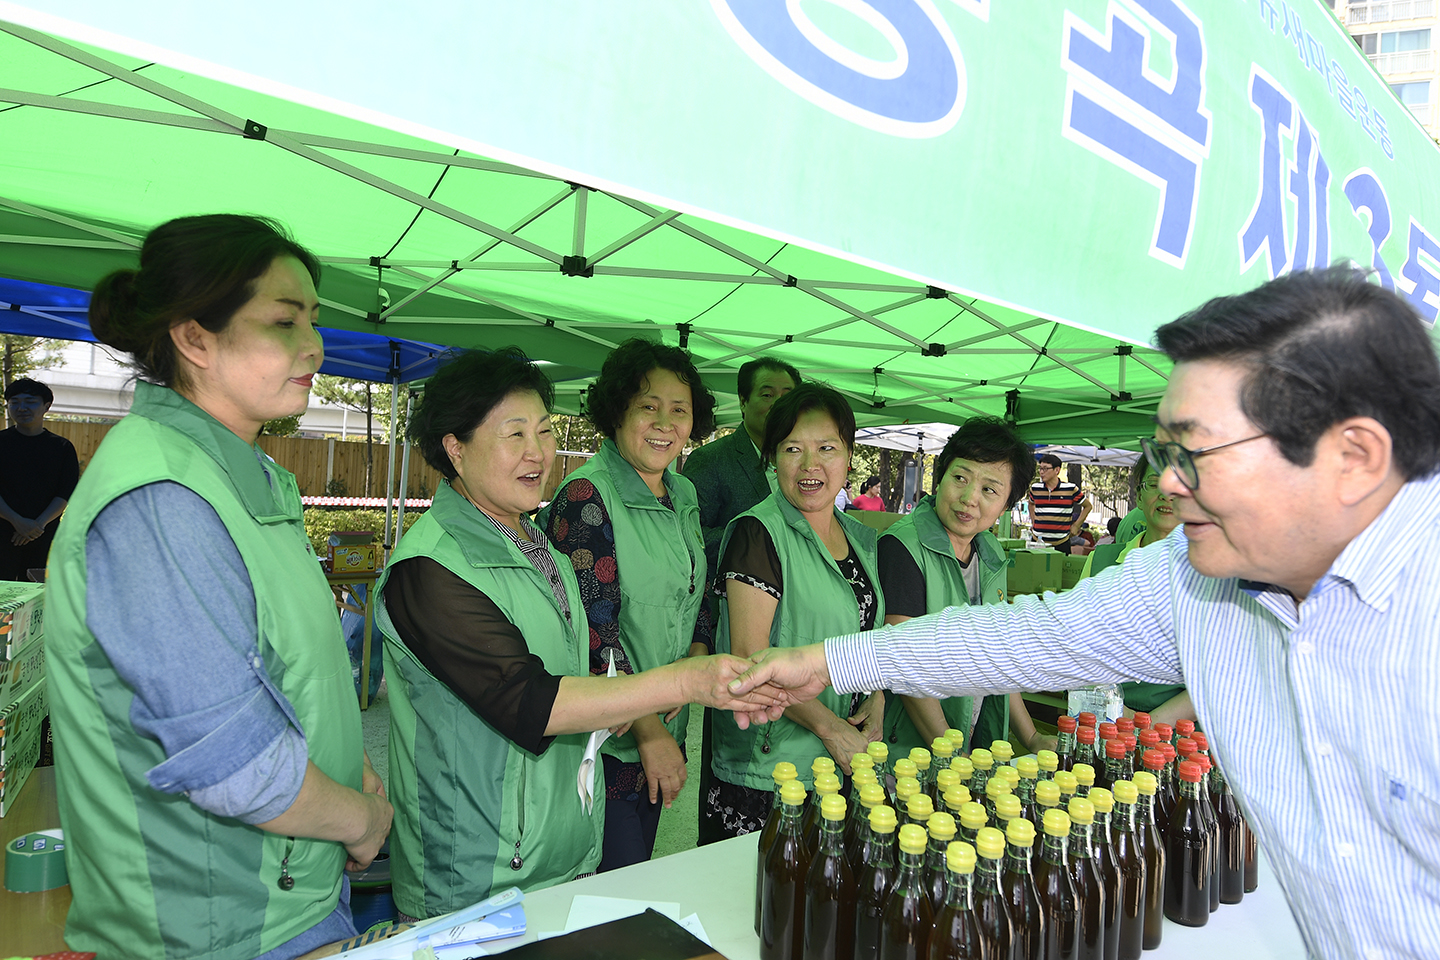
(462, 393)
(804, 398)
(24, 386)
(191, 268)
(624, 374)
(745, 378)
(870, 481)
(1112, 525)
(1322, 346)
(990, 440)
(1051, 460)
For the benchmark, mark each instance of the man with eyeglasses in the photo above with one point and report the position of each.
(1299, 436)
(38, 473)
(1058, 508)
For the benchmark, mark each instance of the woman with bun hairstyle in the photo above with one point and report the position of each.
(212, 781)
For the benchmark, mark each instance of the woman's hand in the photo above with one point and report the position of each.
(661, 757)
(869, 717)
(843, 741)
(378, 814)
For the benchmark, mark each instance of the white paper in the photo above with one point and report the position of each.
(693, 924)
(585, 777)
(588, 911)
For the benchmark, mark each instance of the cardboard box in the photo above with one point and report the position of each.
(877, 520)
(18, 675)
(1034, 571)
(353, 551)
(1070, 575)
(16, 770)
(22, 615)
(22, 719)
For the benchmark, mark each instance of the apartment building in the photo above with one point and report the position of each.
(1399, 37)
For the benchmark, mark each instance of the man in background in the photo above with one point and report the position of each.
(38, 472)
(1058, 508)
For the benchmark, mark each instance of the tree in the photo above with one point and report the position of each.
(371, 399)
(281, 427)
(1109, 487)
(20, 356)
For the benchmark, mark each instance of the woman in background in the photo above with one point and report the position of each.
(869, 498)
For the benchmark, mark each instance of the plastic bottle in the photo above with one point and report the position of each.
(873, 884)
(992, 913)
(782, 926)
(826, 785)
(972, 818)
(1059, 902)
(956, 935)
(1130, 861)
(908, 918)
(1103, 853)
(1017, 882)
(830, 890)
(941, 829)
(1065, 740)
(1084, 778)
(1049, 762)
(1187, 854)
(1089, 886)
(858, 830)
(1152, 848)
(782, 774)
(1047, 797)
(981, 762)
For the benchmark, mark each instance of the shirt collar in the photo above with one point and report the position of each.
(1371, 562)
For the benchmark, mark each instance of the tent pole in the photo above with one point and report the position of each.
(404, 471)
(390, 473)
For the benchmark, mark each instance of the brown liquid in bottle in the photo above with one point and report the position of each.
(1232, 842)
(767, 836)
(783, 898)
(874, 883)
(1152, 849)
(830, 891)
(907, 919)
(1252, 858)
(956, 935)
(1017, 883)
(1089, 888)
(992, 914)
(1103, 853)
(1059, 901)
(1130, 862)
(1187, 855)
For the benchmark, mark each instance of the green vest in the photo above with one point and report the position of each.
(152, 874)
(924, 536)
(817, 602)
(473, 811)
(660, 554)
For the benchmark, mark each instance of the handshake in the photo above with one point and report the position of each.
(759, 689)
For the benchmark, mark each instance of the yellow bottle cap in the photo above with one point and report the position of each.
(827, 783)
(1084, 773)
(878, 751)
(920, 757)
(1082, 811)
(1146, 783)
(871, 795)
(957, 796)
(905, 767)
(1057, 823)
(1020, 832)
(990, 843)
(861, 777)
(941, 826)
(861, 761)
(1009, 774)
(912, 839)
(955, 737)
(882, 819)
(905, 788)
(959, 857)
(1125, 791)
(1027, 767)
(792, 792)
(942, 747)
(981, 759)
(832, 807)
(784, 771)
(1102, 799)
(973, 816)
(1007, 807)
(995, 787)
(1002, 751)
(821, 765)
(1047, 793)
(1048, 760)
(964, 767)
(1067, 782)
(920, 807)
(945, 779)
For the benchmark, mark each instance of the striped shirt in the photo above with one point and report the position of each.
(1053, 511)
(537, 550)
(1324, 716)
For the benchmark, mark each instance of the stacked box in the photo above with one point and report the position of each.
(1070, 575)
(21, 720)
(353, 551)
(22, 615)
(16, 770)
(1034, 571)
(20, 674)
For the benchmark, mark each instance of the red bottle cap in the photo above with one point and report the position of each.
(1066, 724)
(1166, 731)
(1204, 762)
(1108, 731)
(1200, 742)
(1168, 749)
(1185, 727)
(1115, 748)
(1142, 721)
(1154, 759)
(1085, 734)
(1185, 747)
(1086, 719)
(1149, 738)
(1129, 741)
(1190, 771)
(1124, 724)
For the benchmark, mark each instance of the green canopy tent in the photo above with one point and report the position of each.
(941, 209)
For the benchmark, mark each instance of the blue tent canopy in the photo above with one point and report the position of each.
(41, 310)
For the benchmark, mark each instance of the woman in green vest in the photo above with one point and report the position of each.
(630, 524)
(1165, 703)
(212, 782)
(794, 568)
(943, 554)
(488, 654)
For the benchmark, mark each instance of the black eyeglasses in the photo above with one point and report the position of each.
(1169, 455)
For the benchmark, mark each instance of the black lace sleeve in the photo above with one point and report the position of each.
(750, 557)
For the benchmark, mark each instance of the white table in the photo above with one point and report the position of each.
(718, 883)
